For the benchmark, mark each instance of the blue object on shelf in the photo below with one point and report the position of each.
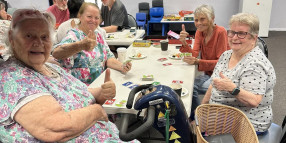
(156, 15)
(141, 19)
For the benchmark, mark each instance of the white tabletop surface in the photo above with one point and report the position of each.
(123, 38)
(150, 65)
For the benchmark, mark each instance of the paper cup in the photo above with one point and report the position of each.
(121, 52)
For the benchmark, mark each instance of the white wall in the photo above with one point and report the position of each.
(223, 9)
(38, 4)
(278, 16)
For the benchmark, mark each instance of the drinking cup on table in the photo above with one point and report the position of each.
(121, 52)
(177, 88)
(164, 45)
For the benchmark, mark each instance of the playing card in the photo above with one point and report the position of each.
(173, 34)
(133, 86)
(109, 102)
(127, 83)
(162, 59)
(187, 54)
(127, 61)
(167, 64)
(178, 81)
(148, 77)
(155, 83)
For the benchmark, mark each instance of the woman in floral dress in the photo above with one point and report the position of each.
(84, 52)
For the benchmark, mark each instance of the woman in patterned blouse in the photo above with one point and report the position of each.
(84, 52)
(243, 77)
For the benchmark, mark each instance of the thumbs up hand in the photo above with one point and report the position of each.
(89, 42)
(183, 35)
(223, 83)
(108, 89)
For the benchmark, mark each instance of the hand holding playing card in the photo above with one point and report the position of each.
(190, 60)
(108, 89)
(126, 66)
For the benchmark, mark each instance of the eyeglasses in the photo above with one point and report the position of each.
(240, 34)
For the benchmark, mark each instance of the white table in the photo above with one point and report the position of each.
(179, 70)
(122, 38)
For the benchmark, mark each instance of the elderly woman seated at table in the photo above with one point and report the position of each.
(40, 102)
(211, 42)
(243, 77)
(83, 52)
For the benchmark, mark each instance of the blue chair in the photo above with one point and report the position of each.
(156, 15)
(141, 19)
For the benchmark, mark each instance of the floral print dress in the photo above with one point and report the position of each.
(86, 66)
(19, 83)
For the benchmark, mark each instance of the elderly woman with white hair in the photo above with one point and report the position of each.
(211, 42)
(40, 102)
(244, 78)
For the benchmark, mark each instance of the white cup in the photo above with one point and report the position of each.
(121, 52)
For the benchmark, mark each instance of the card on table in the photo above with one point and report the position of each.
(167, 64)
(133, 86)
(156, 83)
(162, 59)
(109, 102)
(178, 81)
(148, 77)
(127, 83)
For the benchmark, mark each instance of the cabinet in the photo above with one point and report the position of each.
(261, 8)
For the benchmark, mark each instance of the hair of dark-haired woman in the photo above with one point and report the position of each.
(74, 6)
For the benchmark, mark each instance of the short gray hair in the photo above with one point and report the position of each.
(246, 18)
(206, 10)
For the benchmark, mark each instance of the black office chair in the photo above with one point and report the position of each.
(144, 8)
(157, 3)
(132, 22)
(262, 45)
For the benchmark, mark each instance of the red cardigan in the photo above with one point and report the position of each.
(211, 51)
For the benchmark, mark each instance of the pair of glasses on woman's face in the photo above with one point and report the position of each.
(240, 34)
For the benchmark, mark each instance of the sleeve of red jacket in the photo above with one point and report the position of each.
(221, 46)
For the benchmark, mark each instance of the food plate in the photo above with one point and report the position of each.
(135, 57)
(184, 92)
(176, 56)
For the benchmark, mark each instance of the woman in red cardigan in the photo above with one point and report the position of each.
(211, 42)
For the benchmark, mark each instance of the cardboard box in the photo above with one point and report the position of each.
(142, 43)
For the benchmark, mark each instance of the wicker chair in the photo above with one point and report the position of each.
(216, 120)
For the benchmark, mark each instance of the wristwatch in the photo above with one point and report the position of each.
(235, 91)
